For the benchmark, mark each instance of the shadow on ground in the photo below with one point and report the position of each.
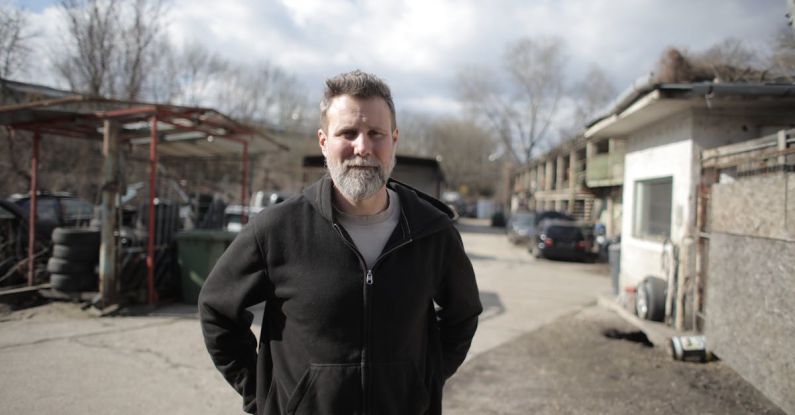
(492, 305)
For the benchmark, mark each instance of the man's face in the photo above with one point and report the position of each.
(359, 145)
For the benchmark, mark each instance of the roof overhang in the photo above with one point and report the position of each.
(181, 131)
(666, 100)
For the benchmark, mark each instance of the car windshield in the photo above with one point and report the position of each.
(569, 233)
(76, 209)
(46, 209)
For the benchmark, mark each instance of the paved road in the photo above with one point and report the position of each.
(56, 359)
(520, 293)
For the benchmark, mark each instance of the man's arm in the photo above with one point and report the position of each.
(237, 281)
(459, 303)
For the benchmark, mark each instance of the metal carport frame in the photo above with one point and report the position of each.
(116, 121)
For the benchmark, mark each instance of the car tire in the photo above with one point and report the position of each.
(65, 282)
(76, 253)
(650, 299)
(76, 236)
(63, 266)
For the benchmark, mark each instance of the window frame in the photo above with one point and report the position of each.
(642, 226)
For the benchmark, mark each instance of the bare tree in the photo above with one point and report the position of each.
(521, 110)
(14, 41)
(589, 96)
(782, 59)
(108, 45)
(259, 93)
(461, 146)
(185, 75)
(137, 39)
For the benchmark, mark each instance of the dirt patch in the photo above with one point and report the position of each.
(595, 362)
(44, 311)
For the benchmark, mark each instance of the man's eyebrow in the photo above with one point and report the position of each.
(345, 129)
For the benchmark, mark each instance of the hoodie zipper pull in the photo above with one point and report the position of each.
(369, 277)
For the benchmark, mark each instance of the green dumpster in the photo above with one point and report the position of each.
(197, 251)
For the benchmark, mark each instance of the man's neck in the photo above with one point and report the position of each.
(370, 206)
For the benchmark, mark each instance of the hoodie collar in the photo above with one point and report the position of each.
(421, 213)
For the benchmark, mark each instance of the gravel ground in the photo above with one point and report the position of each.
(572, 367)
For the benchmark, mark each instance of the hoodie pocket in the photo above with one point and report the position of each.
(399, 389)
(327, 389)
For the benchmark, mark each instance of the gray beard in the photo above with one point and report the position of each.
(359, 184)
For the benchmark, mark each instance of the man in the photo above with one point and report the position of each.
(349, 272)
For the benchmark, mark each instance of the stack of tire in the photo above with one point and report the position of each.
(75, 255)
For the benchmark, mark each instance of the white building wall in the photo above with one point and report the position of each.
(664, 149)
(671, 148)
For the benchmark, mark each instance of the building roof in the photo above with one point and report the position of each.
(646, 102)
(181, 131)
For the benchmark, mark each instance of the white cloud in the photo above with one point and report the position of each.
(418, 45)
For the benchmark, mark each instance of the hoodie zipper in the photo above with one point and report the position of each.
(369, 280)
(368, 277)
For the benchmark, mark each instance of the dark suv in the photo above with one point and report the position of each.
(561, 239)
(56, 209)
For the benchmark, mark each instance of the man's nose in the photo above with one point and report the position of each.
(362, 146)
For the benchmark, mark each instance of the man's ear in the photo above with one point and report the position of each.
(321, 140)
(395, 135)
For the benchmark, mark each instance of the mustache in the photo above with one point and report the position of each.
(360, 162)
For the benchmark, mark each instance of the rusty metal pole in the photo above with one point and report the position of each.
(150, 246)
(108, 282)
(244, 190)
(34, 188)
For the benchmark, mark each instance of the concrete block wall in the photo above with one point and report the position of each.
(761, 206)
(750, 308)
(750, 312)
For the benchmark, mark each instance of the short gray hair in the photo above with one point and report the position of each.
(357, 84)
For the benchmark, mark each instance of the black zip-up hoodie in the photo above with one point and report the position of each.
(338, 338)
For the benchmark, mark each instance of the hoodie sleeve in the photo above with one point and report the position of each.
(237, 281)
(459, 305)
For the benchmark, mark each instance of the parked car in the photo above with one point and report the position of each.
(561, 239)
(552, 214)
(14, 243)
(56, 210)
(520, 227)
(233, 214)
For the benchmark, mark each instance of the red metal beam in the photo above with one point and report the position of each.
(150, 247)
(34, 184)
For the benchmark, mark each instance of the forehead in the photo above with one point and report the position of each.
(348, 109)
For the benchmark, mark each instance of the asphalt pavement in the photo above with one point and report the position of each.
(57, 358)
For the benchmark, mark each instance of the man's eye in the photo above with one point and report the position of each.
(349, 135)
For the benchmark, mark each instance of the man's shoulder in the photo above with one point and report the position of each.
(281, 213)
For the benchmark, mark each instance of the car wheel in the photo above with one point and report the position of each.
(650, 299)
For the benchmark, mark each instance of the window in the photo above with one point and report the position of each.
(652, 216)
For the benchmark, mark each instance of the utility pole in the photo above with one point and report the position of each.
(108, 283)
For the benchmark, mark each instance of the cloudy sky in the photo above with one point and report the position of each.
(418, 45)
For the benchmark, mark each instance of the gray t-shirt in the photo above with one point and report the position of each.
(371, 232)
